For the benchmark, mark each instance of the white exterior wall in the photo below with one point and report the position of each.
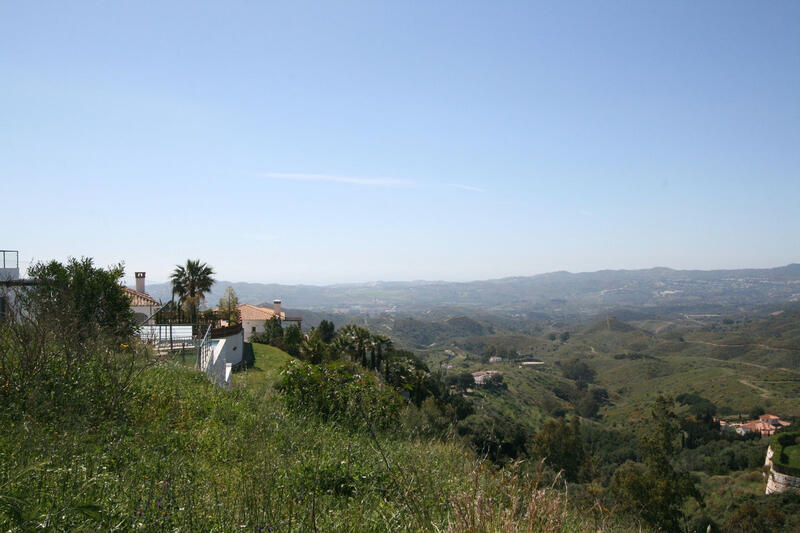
(146, 310)
(227, 352)
(230, 349)
(248, 326)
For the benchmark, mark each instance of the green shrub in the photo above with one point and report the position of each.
(67, 347)
(340, 392)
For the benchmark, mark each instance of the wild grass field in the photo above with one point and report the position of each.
(185, 455)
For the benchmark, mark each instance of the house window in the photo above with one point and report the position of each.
(253, 330)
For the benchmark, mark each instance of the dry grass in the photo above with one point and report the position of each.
(511, 499)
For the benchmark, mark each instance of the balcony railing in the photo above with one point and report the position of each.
(9, 259)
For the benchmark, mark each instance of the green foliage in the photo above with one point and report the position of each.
(777, 512)
(313, 349)
(292, 340)
(326, 331)
(191, 457)
(272, 334)
(405, 371)
(338, 392)
(66, 349)
(190, 283)
(229, 307)
(560, 445)
(756, 411)
(461, 380)
(786, 453)
(81, 300)
(578, 370)
(498, 438)
(719, 457)
(608, 448)
(655, 491)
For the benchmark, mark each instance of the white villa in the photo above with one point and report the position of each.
(254, 317)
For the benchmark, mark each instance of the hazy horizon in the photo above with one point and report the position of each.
(459, 141)
(129, 279)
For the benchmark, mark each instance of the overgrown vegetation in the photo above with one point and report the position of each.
(349, 431)
(100, 435)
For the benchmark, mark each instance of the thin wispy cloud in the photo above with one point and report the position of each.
(332, 178)
(467, 187)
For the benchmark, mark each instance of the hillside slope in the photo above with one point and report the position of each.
(189, 456)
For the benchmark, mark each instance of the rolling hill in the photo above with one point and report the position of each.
(656, 290)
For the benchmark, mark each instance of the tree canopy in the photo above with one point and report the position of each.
(190, 284)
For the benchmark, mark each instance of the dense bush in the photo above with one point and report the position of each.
(560, 446)
(496, 437)
(776, 512)
(339, 392)
(67, 347)
(723, 456)
(578, 370)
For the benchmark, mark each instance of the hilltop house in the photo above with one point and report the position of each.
(766, 425)
(254, 317)
(143, 305)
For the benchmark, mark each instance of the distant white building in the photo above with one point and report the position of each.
(254, 317)
(495, 359)
(483, 376)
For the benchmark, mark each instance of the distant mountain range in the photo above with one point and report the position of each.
(557, 292)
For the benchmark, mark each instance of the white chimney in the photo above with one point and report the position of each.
(276, 306)
(140, 281)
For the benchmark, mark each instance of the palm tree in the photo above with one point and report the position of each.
(355, 339)
(191, 283)
(312, 348)
(379, 344)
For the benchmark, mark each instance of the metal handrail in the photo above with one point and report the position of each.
(202, 347)
(148, 319)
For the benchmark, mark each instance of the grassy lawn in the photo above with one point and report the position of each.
(265, 370)
(793, 454)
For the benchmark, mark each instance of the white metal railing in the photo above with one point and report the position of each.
(205, 350)
(167, 335)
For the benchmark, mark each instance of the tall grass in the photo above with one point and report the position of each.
(188, 456)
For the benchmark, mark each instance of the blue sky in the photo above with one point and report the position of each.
(354, 141)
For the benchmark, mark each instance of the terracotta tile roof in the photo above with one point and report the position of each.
(254, 312)
(140, 299)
